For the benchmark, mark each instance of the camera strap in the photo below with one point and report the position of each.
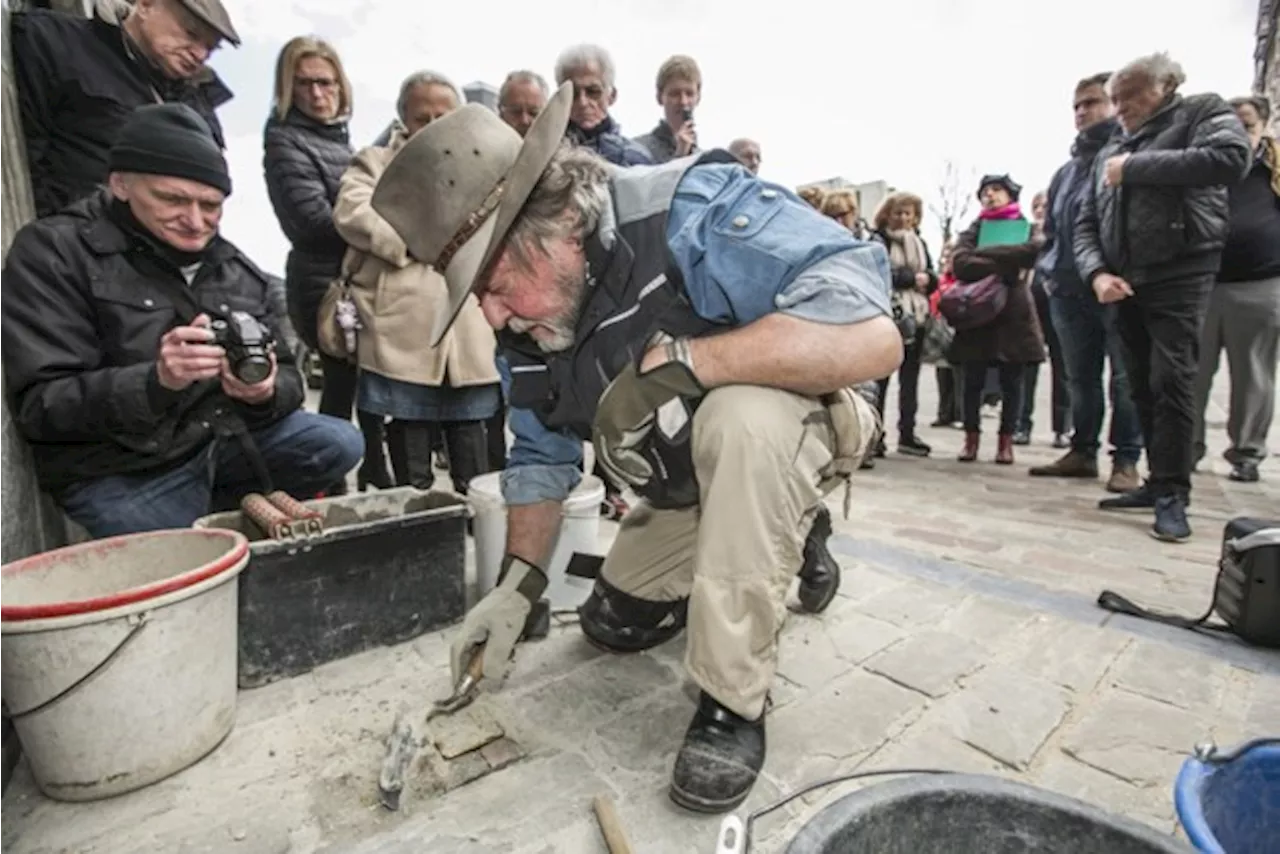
(234, 425)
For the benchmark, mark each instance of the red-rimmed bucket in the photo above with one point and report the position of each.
(120, 657)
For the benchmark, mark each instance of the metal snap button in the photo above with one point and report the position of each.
(741, 221)
(148, 303)
(769, 194)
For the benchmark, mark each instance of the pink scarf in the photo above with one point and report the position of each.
(1009, 211)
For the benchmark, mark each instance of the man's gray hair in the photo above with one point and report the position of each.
(1159, 68)
(583, 56)
(423, 78)
(567, 201)
(517, 77)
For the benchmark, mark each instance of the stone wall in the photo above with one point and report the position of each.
(1267, 58)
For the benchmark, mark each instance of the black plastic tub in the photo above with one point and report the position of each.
(389, 567)
(972, 814)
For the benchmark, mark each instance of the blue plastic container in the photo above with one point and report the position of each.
(1229, 801)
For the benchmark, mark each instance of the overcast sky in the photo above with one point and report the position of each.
(885, 90)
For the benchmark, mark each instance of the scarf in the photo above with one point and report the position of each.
(906, 249)
(1009, 211)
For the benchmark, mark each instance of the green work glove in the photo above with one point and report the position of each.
(498, 619)
(629, 408)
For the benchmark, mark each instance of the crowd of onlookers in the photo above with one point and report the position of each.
(1156, 246)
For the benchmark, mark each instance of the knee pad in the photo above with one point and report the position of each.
(620, 622)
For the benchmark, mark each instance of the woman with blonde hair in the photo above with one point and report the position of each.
(842, 206)
(812, 195)
(306, 148)
(451, 389)
(897, 227)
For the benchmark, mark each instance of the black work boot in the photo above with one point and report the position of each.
(911, 445)
(820, 573)
(719, 761)
(619, 622)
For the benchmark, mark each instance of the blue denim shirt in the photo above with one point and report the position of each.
(746, 248)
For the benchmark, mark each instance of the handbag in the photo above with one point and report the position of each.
(338, 321)
(968, 305)
(1246, 593)
(937, 339)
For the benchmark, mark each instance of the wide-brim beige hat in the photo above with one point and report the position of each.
(453, 191)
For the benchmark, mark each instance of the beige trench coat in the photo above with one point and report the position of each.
(397, 297)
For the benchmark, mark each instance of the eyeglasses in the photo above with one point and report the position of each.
(308, 82)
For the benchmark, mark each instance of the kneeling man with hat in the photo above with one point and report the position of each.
(703, 329)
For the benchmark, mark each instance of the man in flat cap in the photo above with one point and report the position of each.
(702, 328)
(137, 420)
(78, 80)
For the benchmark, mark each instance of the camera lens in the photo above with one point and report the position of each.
(253, 369)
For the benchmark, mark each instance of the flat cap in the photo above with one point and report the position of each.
(213, 13)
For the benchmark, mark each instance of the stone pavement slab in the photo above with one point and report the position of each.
(965, 637)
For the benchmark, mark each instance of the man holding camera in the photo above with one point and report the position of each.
(138, 347)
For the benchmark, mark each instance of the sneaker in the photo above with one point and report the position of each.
(1072, 464)
(1124, 478)
(1171, 520)
(1245, 471)
(1022, 437)
(912, 446)
(1061, 440)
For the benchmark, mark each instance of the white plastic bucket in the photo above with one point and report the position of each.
(578, 533)
(120, 657)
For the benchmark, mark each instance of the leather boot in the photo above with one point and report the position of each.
(1004, 449)
(409, 446)
(373, 469)
(1071, 464)
(970, 451)
(719, 761)
(820, 573)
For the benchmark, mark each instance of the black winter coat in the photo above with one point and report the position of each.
(304, 161)
(77, 84)
(86, 302)
(1169, 217)
(1015, 335)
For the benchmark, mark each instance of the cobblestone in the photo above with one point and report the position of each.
(1135, 739)
(1007, 714)
(929, 662)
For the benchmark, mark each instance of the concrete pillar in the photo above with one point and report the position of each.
(26, 525)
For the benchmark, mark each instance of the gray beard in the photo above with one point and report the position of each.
(562, 327)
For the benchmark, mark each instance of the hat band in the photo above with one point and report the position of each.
(471, 225)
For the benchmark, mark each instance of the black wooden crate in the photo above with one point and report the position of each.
(388, 567)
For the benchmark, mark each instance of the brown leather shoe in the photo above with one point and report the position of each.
(1124, 478)
(1071, 464)
(1004, 449)
(970, 452)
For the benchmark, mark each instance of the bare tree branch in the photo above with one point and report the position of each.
(953, 197)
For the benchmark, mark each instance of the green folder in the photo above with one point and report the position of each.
(1003, 232)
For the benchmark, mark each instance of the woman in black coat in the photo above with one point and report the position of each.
(306, 150)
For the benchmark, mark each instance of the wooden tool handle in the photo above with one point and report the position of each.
(611, 826)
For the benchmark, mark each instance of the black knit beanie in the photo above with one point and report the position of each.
(173, 140)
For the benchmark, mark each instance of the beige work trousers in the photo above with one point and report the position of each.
(759, 454)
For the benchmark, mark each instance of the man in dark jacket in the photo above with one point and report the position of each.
(1149, 237)
(1087, 330)
(1244, 310)
(137, 419)
(590, 69)
(78, 79)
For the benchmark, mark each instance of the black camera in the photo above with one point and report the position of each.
(248, 344)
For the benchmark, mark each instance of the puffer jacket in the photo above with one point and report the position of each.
(1057, 262)
(87, 298)
(606, 139)
(1168, 217)
(303, 160)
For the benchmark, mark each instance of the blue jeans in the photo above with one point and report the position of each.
(304, 453)
(1089, 337)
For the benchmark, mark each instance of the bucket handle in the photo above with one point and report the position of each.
(139, 622)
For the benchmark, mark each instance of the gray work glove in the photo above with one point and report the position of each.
(629, 408)
(497, 620)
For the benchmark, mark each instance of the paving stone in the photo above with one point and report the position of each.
(559, 653)
(928, 662)
(852, 716)
(275, 700)
(645, 741)
(1173, 675)
(986, 620)
(655, 824)
(1137, 739)
(912, 604)
(859, 582)
(1007, 714)
(1263, 716)
(370, 668)
(591, 696)
(930, 744)
(1066, 653)
(857, 637)
(807, 654)
(1152, 805)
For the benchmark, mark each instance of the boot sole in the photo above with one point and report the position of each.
(1067, 475)
(912, 452)
(701, 805)
(1167, 538)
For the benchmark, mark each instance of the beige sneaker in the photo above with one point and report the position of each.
(1124, 478)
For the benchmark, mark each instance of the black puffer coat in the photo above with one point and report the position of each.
(304, 160)
(1169, 216)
